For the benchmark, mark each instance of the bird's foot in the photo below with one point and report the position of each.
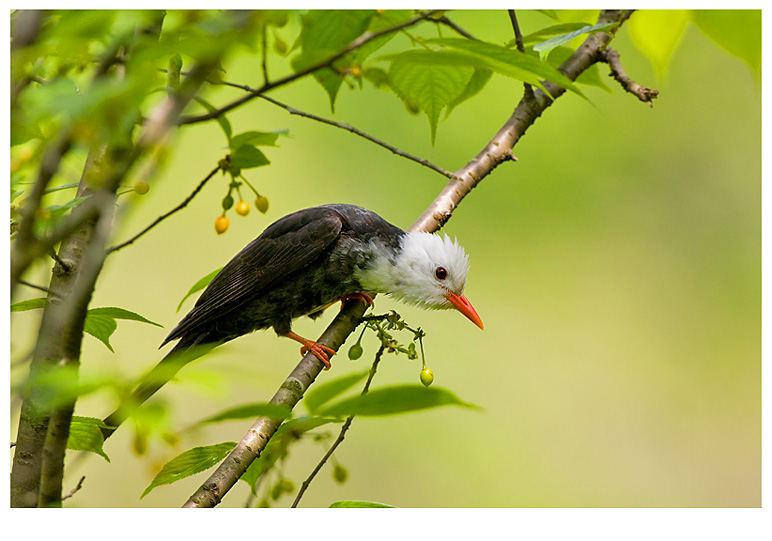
(362, 296)
(319, 350)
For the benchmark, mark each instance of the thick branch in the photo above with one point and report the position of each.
(498, 150)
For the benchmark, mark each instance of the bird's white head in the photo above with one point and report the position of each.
(429, 271)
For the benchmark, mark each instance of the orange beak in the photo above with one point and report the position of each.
(465, 307)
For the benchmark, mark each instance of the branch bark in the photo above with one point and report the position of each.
(38, 464)
(497, 151)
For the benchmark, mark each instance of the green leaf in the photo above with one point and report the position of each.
(31, 304)
(381, 20)
(548, 32)
(249, 411)
(86, 435)
(256, 138)
(100, 322)
(507, 62)
(656, 33)
(198, 286)
(248, 156)
(393, 400)
(324, 34)
(479, 79)
(359, 503)
(222, 120)
(737, 31)
(120, 313)
(430, 80)
(190, 462)
(62, 187)
(544, 48)
(101, 328)
(323, 393)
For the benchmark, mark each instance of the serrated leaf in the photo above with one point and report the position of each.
(189, 463)
(198, 286)
(256, 138)
(121, 313)
(737, 31)
(101, 328)
(222, 120)
(323, 393)
(507, 62)
(31, 304)
(249, 411)
(544, 48)
(100, 322)
(429, 79)
(393, 400)
(359, 504)
(248, 156)
(479, 79)
(325, 33)
(86, 435)
(657, 33)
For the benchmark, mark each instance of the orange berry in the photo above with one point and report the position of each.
(221, 225)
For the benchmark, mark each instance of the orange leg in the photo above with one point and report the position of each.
(319, 350)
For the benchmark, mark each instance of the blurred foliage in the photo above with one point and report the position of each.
(74, 77)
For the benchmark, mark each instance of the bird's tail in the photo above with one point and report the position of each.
(183, 353)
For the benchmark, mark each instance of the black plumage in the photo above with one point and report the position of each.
(300, 265)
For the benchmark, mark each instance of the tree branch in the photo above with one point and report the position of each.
(352, 129)
(343, 430)
(367, 37)
(161, 218)
(611, 57)
(498, 150)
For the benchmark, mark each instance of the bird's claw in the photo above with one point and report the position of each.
(320, 351)
(362, 296)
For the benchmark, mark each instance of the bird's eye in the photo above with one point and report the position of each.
(440, 273)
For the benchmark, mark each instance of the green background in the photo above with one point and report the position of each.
(616, 265)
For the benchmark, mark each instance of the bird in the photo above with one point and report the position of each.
(299, 266)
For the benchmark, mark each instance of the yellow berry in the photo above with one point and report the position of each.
(242, 208)
(427, 376)
(221, 225)
(141, 187)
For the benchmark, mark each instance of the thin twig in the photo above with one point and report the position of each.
(41, 288)
(356, 131)
(343, 430)
(447, 22)
(71, 493)
(520, 47)
(365, 38)
(161, 218)
(611, 57)
(264, 60)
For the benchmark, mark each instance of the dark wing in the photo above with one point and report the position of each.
(289, 244)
